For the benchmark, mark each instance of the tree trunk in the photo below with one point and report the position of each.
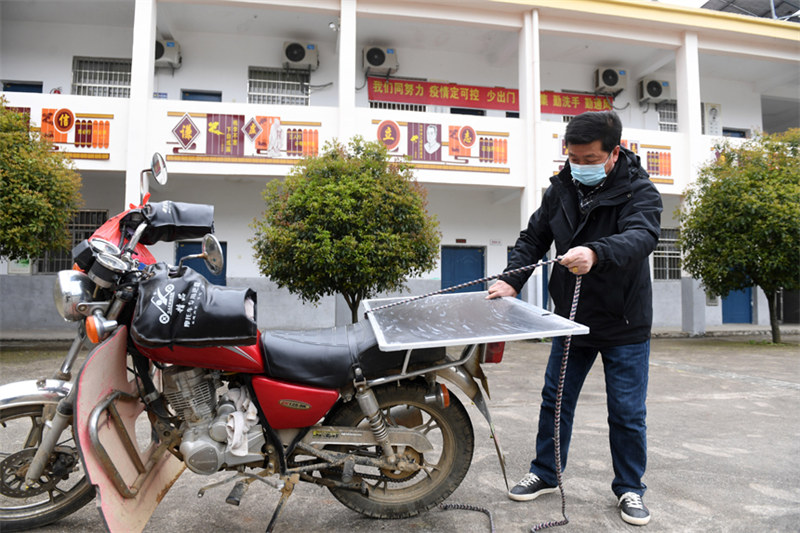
(772, 299)
(354, 311)
(353, 301)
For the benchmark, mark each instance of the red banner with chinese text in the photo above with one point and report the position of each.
(573, 104)
(452, 95)
(443, 94)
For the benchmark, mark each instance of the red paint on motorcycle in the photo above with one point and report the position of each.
(246, 359)
(287, 405)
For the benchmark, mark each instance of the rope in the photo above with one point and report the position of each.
(467, 284)
(559, 392)
(465, 507)
(557, 415)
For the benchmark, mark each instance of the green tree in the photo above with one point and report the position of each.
(39, 190)
(350, 221)
(740, 222)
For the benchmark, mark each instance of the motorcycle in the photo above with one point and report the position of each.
(345, 408)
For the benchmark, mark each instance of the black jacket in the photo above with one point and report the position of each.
(622, 225)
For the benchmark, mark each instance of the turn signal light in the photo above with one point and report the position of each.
(98, 329)
(494, 352)
(445, 395)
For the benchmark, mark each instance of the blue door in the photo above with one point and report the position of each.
(462, 264)
(194, 247)
(737, 307)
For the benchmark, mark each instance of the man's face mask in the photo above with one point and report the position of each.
(589, 175)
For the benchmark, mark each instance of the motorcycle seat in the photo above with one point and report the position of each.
(327, 357)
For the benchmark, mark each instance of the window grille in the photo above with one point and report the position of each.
(398, 107)
(667, 256)
(278, 86)
(83, 224)
(97, 76)
(667, 116)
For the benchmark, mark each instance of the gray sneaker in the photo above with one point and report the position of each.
(632, 509)
(530, 488)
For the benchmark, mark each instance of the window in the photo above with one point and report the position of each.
(733, 132)
(201, 96)
(83, 224)
(467, 111)
(96, 76)
(278, 86)
(397, 107)
(667, 116)
(667, 256)
(22, 86)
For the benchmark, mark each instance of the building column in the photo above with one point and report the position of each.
(347, 70)
(687, 77)
(142, 65)
(530, 86)
(693, 307)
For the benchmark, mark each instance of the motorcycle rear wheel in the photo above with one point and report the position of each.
(63, 487)
(395, 494)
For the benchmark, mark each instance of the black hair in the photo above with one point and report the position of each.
(603, 126)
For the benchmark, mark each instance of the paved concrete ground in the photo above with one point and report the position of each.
(724, 442)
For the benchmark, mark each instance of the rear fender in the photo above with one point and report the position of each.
(466, 377)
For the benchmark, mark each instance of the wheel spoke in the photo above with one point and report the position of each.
(50, 498)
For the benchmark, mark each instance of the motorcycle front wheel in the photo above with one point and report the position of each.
(399, 494)
(61, 490)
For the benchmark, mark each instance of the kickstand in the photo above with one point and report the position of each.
(286, 491)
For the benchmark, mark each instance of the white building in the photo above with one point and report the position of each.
(243, 89)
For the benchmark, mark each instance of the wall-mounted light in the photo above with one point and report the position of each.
(333, 25)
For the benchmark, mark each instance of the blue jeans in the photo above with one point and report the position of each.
(626, 374)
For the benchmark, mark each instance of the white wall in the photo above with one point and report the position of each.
(220, 62)
(479, 216)
(38, 51)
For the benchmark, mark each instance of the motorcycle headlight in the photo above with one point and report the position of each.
(71, 288)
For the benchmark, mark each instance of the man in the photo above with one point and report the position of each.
(603, 214)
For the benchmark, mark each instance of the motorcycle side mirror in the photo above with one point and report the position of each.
(158, 169)
(211, 254)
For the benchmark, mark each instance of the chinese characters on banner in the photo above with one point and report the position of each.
(424, 143)
(225, 136)
(260, 138)
(442, 94)
(66, 130)
(470, 96)
(573, 104)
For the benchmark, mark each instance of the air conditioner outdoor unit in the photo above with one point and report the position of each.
(379, 61)
(654, 91)
(168, 54)
(300, 55)
(609, 80)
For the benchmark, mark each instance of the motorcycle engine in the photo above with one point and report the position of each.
(192, 394)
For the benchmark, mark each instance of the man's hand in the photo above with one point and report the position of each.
(579, 260)
(501, 288)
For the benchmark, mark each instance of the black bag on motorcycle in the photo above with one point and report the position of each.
(171, 221)
(182, 307)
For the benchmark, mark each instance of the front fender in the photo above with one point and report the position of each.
(34, 391)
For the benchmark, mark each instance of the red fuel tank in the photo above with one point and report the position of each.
(287, 405)
(246, 359)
